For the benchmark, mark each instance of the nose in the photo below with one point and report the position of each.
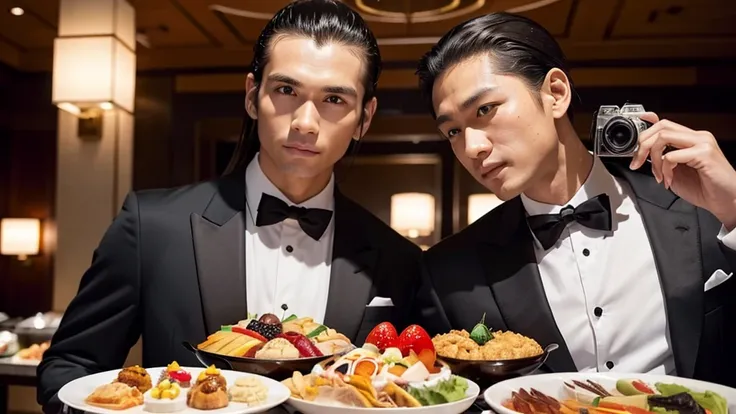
(477, 144)
(306, 119)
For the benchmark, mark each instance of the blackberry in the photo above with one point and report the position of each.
(269, 331)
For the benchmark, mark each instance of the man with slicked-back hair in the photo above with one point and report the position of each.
(177, 264)
(626, 262)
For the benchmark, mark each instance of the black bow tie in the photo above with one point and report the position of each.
(594, 213)
(313, 221)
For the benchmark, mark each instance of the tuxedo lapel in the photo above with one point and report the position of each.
(673, 229)
(219, 248)
(512, 273)
(353, 261)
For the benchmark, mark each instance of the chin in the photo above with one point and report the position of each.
(504, 190)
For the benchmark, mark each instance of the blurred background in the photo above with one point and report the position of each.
(100, 97)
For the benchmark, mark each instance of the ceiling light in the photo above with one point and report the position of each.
(17, 11)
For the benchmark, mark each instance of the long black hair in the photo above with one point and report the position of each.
(517, 45)
(323, 21)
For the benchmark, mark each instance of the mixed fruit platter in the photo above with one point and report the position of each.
(628, 396)
(269, 337)
(390, 370)
(176, 389)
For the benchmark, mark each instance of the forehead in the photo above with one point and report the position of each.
(462, 80)
(315, 65)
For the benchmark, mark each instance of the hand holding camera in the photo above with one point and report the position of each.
(688, 162)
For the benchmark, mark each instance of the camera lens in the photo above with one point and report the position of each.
(620, 135)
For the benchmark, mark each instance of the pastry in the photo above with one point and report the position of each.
(248, 390)
(135, 376)
(166, 397)
(175, 374)
(115, 396)
(210, 391)
(279, 348)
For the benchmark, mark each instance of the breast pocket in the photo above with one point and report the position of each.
(378, 314)
(719, 295)
(372, 317)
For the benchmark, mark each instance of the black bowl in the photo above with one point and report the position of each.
(487, 373)
(277, 369)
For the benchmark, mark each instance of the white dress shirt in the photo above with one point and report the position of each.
(604, 292)
(283, 264)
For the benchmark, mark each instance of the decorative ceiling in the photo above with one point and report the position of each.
(198, 34)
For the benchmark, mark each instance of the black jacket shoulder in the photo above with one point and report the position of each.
(374, 229)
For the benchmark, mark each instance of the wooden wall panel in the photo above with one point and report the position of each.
(153, 124)
(27, 185)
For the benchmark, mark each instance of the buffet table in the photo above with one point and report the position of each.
(14, 374)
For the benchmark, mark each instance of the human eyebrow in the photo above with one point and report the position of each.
(443, 118)
(476, 96)
(278, 77)
(341, 90)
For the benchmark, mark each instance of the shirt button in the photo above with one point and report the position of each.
(586, 252)
(598, 311)
(609, 364)
(289, 249)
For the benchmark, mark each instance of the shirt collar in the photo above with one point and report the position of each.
(256, 183)
(599, 181)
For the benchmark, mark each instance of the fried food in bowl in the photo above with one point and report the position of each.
(503, 346)
(487, 357)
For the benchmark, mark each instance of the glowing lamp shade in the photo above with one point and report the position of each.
(19, 236)
(480, 204)
(413, 214)
(94, 56)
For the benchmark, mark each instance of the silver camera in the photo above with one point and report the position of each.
(616, 130)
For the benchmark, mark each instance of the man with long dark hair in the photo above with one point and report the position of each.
(626, 263)
(178, 264)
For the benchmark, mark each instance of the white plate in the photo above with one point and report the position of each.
(74, 393)
(551, 384)
(16, 359)
(457, 407)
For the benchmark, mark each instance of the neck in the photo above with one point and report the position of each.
(297, 189)
(567, 169)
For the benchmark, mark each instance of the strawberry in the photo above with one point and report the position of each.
(414, 338)
(383, 336)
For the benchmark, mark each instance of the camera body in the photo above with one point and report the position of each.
(616, 130)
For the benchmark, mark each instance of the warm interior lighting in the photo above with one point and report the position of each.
(20, 237)
(94, 59)
(480, 204)
(17, 11)
(412, 214)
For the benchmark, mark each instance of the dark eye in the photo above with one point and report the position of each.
(484, 110)
(286, 90)
(334, 100)
(451, 133)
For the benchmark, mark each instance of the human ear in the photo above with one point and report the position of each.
(251, 94)
(557, 92)
(368, 111)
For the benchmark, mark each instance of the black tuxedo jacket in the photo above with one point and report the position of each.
(490, 267)
(171, 268)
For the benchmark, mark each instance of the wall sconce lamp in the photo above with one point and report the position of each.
(480, 204)
(413, 214)
(94, 61)
(20, 237)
